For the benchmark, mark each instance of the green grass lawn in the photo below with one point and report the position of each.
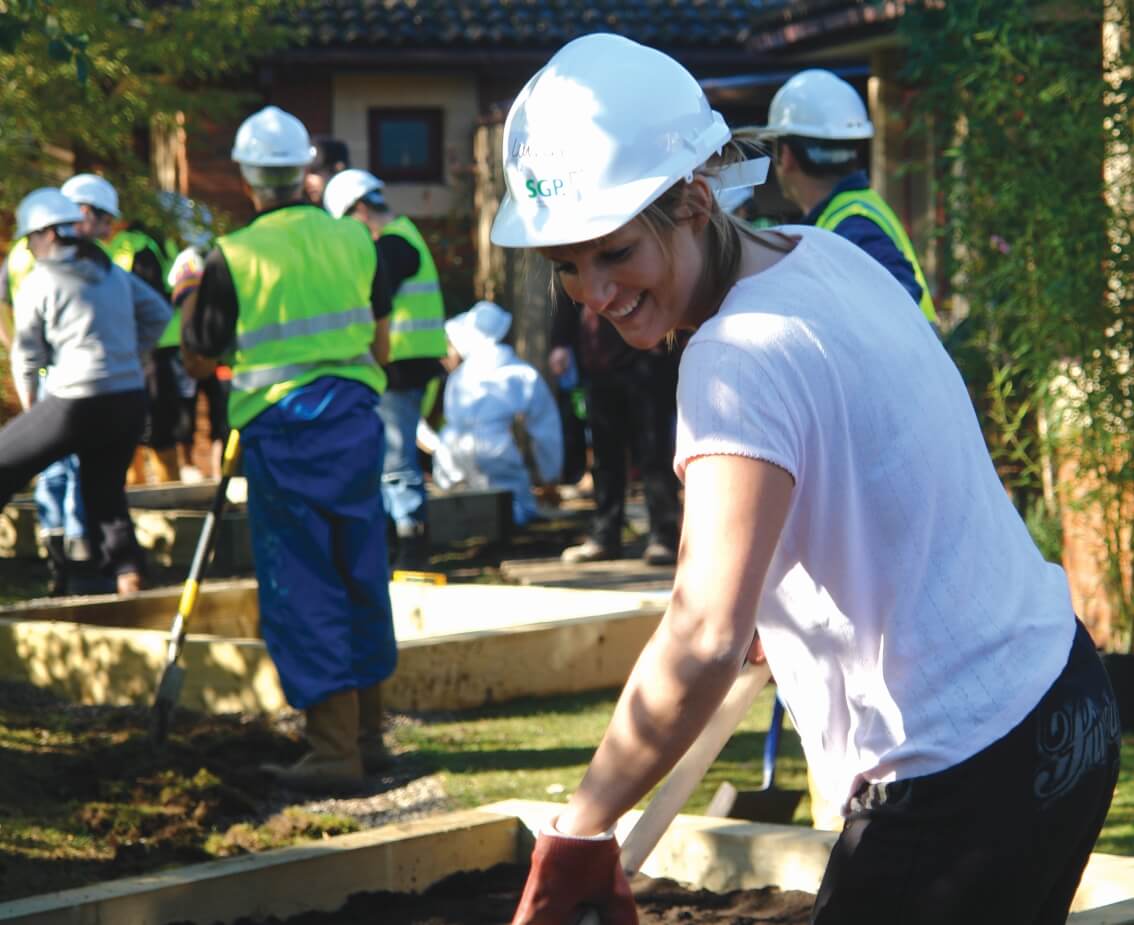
(538, 750)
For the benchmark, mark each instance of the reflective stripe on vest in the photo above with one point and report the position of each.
(302, 281)
(406, 325)
(21, 261)
(303, 327)
(248, 379)
(417, 323)
(868, 204)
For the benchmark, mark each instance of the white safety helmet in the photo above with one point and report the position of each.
(43, 208)
(272, 138)
(599, 133)
(345, 188)
(89, 189)
(817, 104)
(483, 325)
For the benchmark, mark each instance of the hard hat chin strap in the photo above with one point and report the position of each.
(748, 173)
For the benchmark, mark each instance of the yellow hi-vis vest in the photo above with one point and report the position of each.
(868, 204)
(303, 282)
(122, 249)
(21, 262)
(417, 323)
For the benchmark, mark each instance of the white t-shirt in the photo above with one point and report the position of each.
(907, 616)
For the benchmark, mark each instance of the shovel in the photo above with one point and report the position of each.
(769, 803)
(676, 789)
(172, 678)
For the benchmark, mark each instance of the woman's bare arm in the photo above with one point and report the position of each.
(735, 509)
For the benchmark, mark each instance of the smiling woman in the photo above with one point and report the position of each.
(839, 499)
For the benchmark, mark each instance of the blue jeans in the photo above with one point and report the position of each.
(58, 501)
(403, 483)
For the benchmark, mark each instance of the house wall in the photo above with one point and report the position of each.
(455, 94)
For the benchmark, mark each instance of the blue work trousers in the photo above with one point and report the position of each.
(403, 483)
(318, 539)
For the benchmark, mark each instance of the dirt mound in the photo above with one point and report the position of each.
(85, 795)
(489, 898)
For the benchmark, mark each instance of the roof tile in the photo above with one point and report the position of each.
(473, 24)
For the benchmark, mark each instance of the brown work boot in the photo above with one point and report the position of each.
(333, 765)
(371, 718)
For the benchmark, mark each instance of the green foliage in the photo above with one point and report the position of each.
(1046, 529)
(91, 76)
(1030, 110)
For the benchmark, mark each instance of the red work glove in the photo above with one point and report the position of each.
(570, 874)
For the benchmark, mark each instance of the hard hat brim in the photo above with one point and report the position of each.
(815, 132)
(533, 225)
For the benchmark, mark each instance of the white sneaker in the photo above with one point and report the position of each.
(191, 474)
(589, 551)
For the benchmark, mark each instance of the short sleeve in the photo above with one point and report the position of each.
(733, 402)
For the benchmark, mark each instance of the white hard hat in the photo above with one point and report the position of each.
(89, 189)
(272, 138)
(484, 324)
(45, 207)
(345, 188)
(817, 104)
(600, 132)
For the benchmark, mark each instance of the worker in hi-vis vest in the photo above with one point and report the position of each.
(417, 344)
(135, 251)
(298, 300)
(818, 126)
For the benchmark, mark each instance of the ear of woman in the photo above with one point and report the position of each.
(697, 204)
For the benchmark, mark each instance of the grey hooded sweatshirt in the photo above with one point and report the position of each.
(85, 320)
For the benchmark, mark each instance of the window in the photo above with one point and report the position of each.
(405, 145)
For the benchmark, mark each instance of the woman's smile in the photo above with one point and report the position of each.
(624, 311)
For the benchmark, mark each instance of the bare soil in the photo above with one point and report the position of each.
(490, 898)
(114, 804)
(86, 797)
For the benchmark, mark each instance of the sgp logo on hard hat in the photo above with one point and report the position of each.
(545, 188)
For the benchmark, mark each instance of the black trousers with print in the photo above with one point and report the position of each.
(1002, 837)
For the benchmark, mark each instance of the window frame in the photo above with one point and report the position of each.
(434, 118)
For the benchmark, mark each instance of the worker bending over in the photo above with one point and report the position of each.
(295, 297)
(842, 521)
(87, 322)
(490, 395)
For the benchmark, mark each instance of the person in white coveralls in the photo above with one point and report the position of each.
(489, 395)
